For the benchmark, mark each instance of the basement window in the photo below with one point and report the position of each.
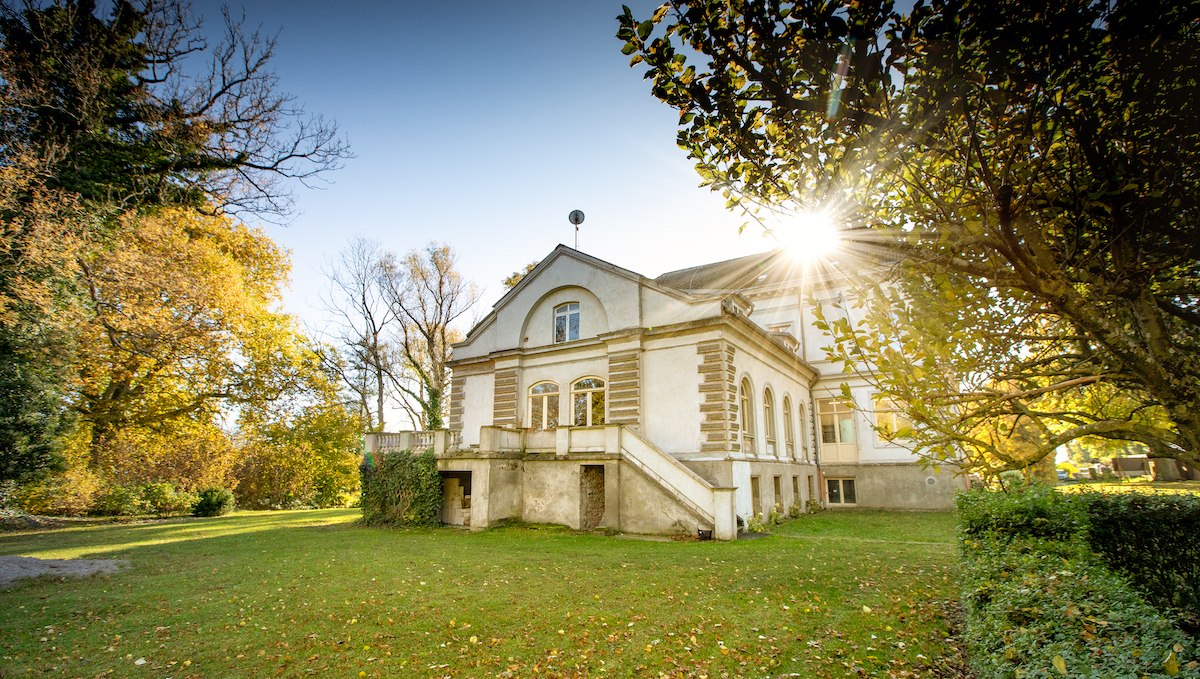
(841, 491)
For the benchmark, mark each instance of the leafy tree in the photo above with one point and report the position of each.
(301, 450)
(394, 328)
(36, 327)
(1032, 166)
(515, 277)
(188, 453)
(181, 323)
(29, 435)
(101, 116)
(307, 459)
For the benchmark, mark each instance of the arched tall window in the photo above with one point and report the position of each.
(566, 322)
(769, 421)
(587, 402)
(804, 451)
(747, 409)
(789, 428)
(543, 406)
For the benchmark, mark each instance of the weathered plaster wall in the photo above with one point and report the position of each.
(738, 474)
(538, 327)
(646, 509)
(478, 393)
(504, 491)
(608, 301)
(563, 368)
(551, 492)
(659, 309)
(495, 488)
(671, 395)
(900, 486)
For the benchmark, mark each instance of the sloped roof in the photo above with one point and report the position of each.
(777, 269)
(764, 268)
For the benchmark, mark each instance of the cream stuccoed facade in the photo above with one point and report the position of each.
(594, 397)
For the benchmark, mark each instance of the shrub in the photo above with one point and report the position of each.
(1040, 609)
(213, 502)
(401, 489)
(163, 499)
(795, 511)
(776, 515)
(1151, 538)
(1034, 511)
(120, 500)
(71, 494)
(756, 524)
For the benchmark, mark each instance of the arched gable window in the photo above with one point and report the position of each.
(769, 420)
(789, 428)
(587, 402)
(566, 322)
(747, 408)
(543, 406)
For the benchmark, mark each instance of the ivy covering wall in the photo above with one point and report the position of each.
(401, 489)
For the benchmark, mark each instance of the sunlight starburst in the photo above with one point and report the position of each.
(809, 235)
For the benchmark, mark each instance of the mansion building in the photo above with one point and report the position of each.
(594, 397)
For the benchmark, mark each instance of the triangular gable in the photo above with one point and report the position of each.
(564, 251)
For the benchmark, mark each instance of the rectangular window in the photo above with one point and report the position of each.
(837, 421)
(755, 496)
(841, 491)
(890, 423)
(778, 487)
(795, 490)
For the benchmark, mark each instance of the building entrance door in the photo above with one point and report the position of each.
(591, 496)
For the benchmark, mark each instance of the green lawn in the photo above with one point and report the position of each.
(307, 593)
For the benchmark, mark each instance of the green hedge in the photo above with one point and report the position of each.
(1038, 609)
(1040, 603)
(1036, 511)
(1153, 539)
(401, 489)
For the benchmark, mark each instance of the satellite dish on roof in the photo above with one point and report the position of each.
(576, 218)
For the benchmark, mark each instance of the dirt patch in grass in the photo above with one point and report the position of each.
(14, 568)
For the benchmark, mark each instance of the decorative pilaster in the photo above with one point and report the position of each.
(625, 387)
(504, 402)
(458, 388)
(458, 383)
(718, 391)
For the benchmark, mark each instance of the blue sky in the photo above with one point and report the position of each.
(481, 125)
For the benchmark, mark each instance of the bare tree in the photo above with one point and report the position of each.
(426, 294)
(364, 319)
(115, 110)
